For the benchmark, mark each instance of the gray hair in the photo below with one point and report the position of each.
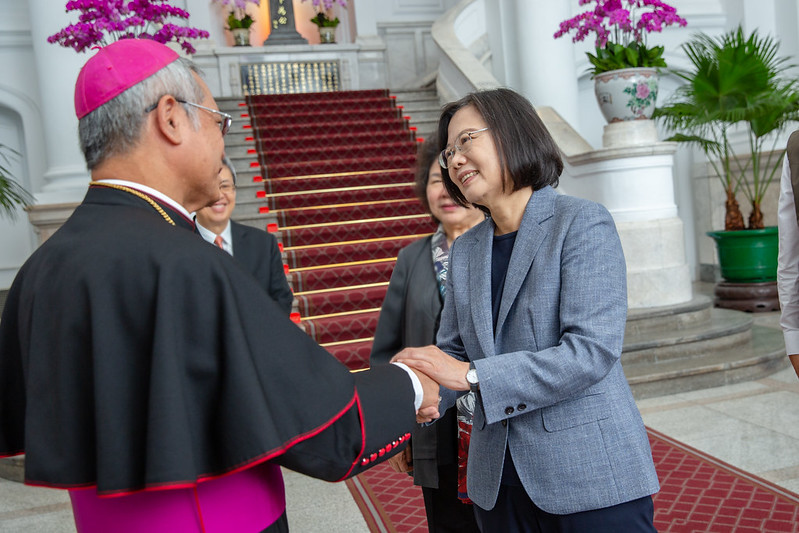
(229, 164)
(115, 127)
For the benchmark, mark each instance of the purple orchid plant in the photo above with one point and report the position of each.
(621, 28)
(238, 17)
(104, 21)
(323, 7)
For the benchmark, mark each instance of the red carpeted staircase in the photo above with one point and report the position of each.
(331, 175)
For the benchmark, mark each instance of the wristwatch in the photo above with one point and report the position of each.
(471, 378)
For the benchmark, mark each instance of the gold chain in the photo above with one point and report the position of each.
(134, 192)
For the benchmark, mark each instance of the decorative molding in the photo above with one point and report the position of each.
(15, 39)
(415, 7)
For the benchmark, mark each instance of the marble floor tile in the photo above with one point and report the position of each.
(694, 422)
(313, 505)
(16, 496)
(777, 411)
(754, 449)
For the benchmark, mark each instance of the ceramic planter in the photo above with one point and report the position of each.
(747, 256)
(327, 34)
(627, 94)
(241, 36)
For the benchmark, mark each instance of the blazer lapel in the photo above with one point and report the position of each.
(540, 207)
(480, 294)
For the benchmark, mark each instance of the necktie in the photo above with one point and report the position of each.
(218, 241)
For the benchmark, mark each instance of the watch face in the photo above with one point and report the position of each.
(471, 376)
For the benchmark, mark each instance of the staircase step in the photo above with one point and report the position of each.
(342, 127)
(316, 97)
(350, 326)
(331, 181)
(347, 212)
(347, 252)
(724, 331)
(322, 120)
(357, 229)
(346, 195)
(342, 301)
(324, 153)
(762, 355)
(322, 106)
(341, 276)
(282, 170)
(324, 139)
(644, 322)
(353, 354)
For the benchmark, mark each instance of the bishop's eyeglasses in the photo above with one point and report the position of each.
(224, 126)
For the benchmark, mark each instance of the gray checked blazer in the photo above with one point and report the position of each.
(551, 382)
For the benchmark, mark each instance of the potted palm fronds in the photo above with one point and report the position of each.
(737, 85)
(11, 193)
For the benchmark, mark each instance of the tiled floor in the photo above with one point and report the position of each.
(754, 426)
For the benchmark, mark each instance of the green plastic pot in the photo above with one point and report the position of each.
(747, 256)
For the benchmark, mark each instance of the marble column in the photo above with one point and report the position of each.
(546, 68)
(66, 177)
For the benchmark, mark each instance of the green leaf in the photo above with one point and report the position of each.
(735, 80)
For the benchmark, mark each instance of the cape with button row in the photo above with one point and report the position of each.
(134, 355)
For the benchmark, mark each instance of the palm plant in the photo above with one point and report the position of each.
(735, 81)
(11, 193)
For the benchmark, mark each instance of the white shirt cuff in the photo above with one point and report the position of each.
(791, 341)
(417, 386)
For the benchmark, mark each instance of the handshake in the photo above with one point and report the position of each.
(433, 368)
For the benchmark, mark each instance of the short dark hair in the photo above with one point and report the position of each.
(426, 154)
(528, 155)
(229, 164)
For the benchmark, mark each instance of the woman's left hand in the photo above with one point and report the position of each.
(446, 370)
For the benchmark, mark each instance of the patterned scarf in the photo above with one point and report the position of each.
(440, 249)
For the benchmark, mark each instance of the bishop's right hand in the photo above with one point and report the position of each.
(429, 409)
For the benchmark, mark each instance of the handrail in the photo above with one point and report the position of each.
(459, 72)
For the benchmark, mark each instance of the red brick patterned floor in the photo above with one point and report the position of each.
(698, 493)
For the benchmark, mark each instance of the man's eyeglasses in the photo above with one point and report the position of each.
(463, 144)
(224, 126)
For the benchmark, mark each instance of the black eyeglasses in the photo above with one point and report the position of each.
(224, 126)
(462, 144)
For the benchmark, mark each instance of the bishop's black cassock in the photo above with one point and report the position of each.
(133, 356)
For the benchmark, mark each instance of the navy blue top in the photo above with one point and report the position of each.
(500, 257)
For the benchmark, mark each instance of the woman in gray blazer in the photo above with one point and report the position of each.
(409, 317)
(534, 323)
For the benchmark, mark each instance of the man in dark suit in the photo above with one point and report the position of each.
(256, 250)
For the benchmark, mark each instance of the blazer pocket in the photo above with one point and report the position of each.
(572, 413)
